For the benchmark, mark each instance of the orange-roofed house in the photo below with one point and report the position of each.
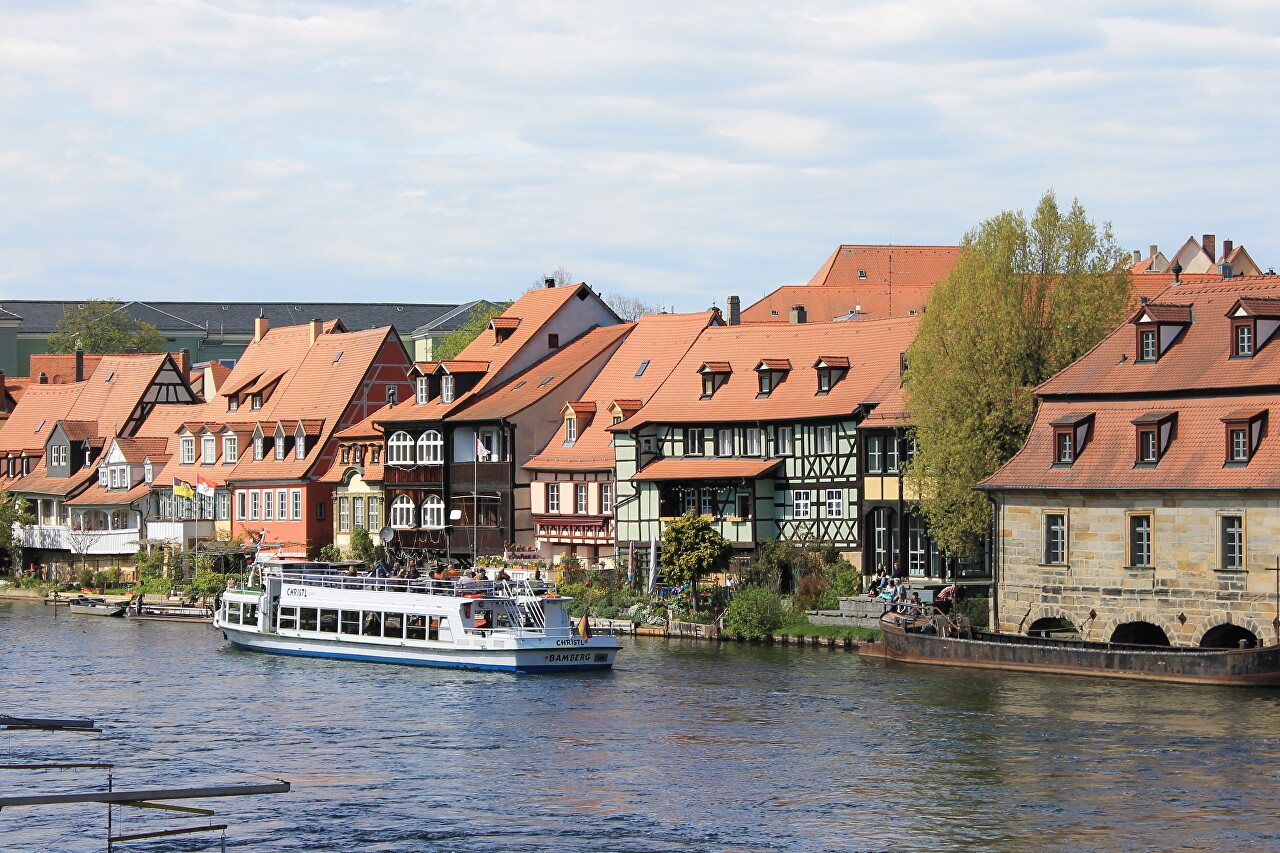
(54, 457)
(574, 484)
(757, 428)
(453, 480)
(262, 443)
(1143, 506)
(861, 282)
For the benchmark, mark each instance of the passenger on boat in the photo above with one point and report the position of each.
(915, 606)
(503, 577)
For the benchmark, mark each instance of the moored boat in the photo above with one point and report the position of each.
(93, 606)
(939, 640)
(314, 609)
(169, 612)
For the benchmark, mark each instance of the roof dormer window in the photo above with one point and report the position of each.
(256, 402)
(1244, 432)
(299, 443)
(1153, 433)
(233, 402)
(714, 374)
(770, 373)
(279, 443)
(446, 388)
(570, 430)
(1070, 435)
(1254, 320)
(148, 472)
(422, 390)
(830, 370)
(187, 446)
(1158, 325)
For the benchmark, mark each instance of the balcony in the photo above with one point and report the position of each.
(415, 475)
(86, 542)
(181, 532)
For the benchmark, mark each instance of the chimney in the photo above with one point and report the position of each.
(1153, 250)
(42, 379)
(735, 311)
(184, 362)
(1137, 257)
(1228, 246)
(79, 364)
(1225, 270)
(1210, 245)
(797, 314)
(260, 326)
(316, 328)
(549, 282)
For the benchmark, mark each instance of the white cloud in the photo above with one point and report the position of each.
(675, 151)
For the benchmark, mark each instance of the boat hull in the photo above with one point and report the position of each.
(1259, 667)
(580, 655)
(92, 610)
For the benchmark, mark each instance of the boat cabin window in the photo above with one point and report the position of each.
(288, 618)
(329, 621)
(415, 627)
(307, 619)
(350, 622)
(248, 614)
(393, 625)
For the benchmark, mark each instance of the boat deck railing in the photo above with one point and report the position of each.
(460, 587)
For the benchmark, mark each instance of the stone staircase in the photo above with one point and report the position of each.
(858, 611)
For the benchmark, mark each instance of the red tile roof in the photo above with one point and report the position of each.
(704, 468)
(1194, 459)
(919, 266)
(40, 483)
(865, 302)
(657, 343)
(96, 495)
(874, 350)
(541, 380)
(1198, 359)
(60, 367)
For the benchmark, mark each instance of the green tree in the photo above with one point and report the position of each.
(103, 325)
(13, 511)
(362, 547)
(691, 548)
(1025, 298)
(456, 341)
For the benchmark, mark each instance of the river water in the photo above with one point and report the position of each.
(685, 746)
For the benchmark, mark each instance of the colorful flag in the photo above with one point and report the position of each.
(481, 453)
(584, 627)
(204, 487)
(183, 490)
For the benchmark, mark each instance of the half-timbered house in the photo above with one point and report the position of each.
(757, 429)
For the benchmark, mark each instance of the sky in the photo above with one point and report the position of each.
(675, 152)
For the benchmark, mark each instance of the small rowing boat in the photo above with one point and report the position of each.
(93, 606)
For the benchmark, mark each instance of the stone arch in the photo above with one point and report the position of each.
(1208, 623)
(1043, 612)
(1125, 617)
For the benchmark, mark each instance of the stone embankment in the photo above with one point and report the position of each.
(698, 631)
(857, 612)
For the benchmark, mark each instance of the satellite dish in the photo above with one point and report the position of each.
(386, 534)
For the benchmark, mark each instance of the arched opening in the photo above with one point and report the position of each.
(1228, 636)
(1052, 627)
(1140, 634)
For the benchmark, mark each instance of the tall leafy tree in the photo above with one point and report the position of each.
(13, 511)
(691, 549)
(456, 341)
(102, 325)
(1026, 297)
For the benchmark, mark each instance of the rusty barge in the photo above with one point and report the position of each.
(938, 640)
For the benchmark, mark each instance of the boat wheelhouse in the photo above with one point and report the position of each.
(317, 610)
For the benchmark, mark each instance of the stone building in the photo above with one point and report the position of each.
(1143, 506)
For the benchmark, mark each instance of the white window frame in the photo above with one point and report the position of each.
(375, 512)
(553, 497)
(446, 388)
(753, 441)
(835, 503)
(725, 444)
(570, 431)
(344, 514)
(824, 439)
(421, 390)
(295, 496)
(208, 449)
(580, 498)
(255, 501)
(279, 437)
(433, 512)
(802, 503)
(400, 449)
(402, 511)
(299, 444)
(230, 448)
(606, 498)
(282, 504)
(241, 505)
(784, 441)
(188, 447)
(268, 505)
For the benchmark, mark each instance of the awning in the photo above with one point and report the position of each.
(705, 469)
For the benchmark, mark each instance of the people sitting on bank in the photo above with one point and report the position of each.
(915, 606)
(873, 586)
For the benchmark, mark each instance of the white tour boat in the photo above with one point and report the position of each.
(315, 609)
